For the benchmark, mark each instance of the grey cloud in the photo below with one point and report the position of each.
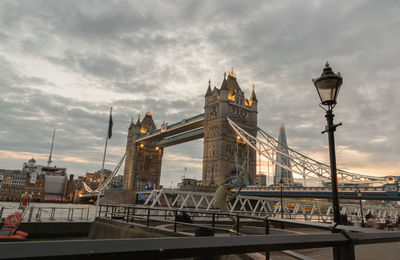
(139, 47)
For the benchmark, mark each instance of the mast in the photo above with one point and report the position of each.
(51, 148)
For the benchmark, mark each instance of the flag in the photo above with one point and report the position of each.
(110, 125)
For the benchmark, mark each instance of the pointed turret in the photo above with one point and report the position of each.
(224, 89)
(132, 124)
(138, 121)
(224, 85)
(147, 123)
(253, 96)
(208, 93)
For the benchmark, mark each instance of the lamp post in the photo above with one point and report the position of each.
(328, 86)
(281, 184)
(359, 194)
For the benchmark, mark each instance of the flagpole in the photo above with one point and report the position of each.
(102, 166)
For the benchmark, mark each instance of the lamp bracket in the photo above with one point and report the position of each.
(332, 128)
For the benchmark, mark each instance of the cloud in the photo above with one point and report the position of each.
(64, 63)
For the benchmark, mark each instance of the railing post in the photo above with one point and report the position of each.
(346, 251)
(213, 220)
(148, 217)
(30, 214)
(100, 206)
(176, 215)
(39, 215)
(237, 223)
(1, 211)
(165, 214)
(53, 212)
(266, 222)
(87, 215)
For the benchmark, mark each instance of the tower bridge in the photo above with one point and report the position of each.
(228, 126)
(146, 143)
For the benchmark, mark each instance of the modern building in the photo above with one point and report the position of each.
(92, 179)
(188, 182)
(283, 169)
(261, 180)
(117, 182)
(56, 180)
(70, 190)
(45, 183)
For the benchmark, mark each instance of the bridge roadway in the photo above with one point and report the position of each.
(193, 128)
(183, 131)
(368, 193)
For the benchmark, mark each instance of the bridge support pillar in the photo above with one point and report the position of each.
(220, 141)
(143, 160)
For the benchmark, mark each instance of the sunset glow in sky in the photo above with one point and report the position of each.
(64, 63)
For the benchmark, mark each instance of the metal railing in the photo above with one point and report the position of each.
(130, 213)
(210, 221)
(307, 210)
(343, 242)
(167, 248)
(52, 214)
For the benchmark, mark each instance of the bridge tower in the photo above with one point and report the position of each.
(220, 141)
(143, 160)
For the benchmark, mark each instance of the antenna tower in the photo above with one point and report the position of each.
(51, 148)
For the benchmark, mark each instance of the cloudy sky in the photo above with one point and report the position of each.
(64, 63)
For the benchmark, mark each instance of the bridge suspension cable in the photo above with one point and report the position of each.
(269, 147)
(107, 181)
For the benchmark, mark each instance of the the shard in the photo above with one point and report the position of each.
(283, 173)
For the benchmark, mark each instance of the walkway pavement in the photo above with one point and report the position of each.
(385, 251)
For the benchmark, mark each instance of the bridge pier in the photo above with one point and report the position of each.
(220, 141)
(143, 159)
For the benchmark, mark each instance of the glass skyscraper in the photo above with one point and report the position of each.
(284, 173)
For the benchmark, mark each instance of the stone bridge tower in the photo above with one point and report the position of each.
(220, 141)
(143, 160)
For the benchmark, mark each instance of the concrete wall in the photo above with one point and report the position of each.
(107, 229)
(119, 197)
(55, 229)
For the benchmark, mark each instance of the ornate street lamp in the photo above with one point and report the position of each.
(281, 184)
(359, 194)
(328, 86)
